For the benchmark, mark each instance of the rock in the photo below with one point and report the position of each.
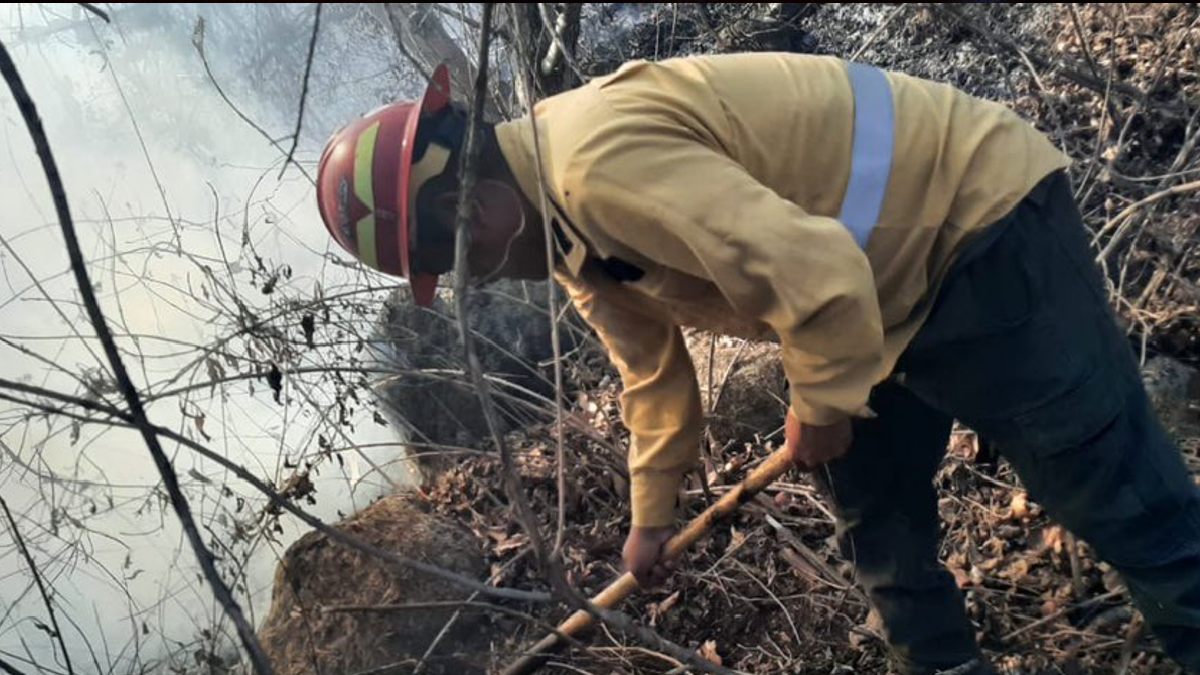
(512, 338)
(747, 383)
(316, 573)
(751, 399)
(1174, 390)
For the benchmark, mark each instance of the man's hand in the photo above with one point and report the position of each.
(812, 446)
(643, 555)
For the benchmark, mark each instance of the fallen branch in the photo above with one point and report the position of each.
(827, 574)
(1077, 583)
(715, 399)
(962, 669)
(676, 667)
(422, 606)
(1123, 220)
(866, 44)
(437, 639)
(128, 390)
(41, 586)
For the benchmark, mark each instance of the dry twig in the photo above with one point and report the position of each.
(547, 562)
(462, 222)
(552, 302)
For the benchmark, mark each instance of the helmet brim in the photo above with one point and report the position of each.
(435, 98)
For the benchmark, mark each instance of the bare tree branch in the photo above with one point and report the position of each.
(467, 176)
(9, 669)
(422, 606)
(37, 579)
(397, 23)
(470, 158)
(562, 30)
(551, 304)
(95, 10)
(198, 43)
(424, 39)
(276, 499)
(137, 132)
(128, 390)
(312, 47)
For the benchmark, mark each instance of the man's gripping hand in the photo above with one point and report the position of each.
(813, 446)
(644, 548)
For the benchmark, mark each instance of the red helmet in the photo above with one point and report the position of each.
(367, 184)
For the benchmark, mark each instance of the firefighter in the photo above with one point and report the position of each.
(916, 252)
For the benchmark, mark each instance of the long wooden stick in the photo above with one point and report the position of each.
(772, 468)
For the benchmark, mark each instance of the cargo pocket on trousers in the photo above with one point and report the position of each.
(1074, 417)
(1079, 457)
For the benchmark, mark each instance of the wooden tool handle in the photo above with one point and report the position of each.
(763, 475)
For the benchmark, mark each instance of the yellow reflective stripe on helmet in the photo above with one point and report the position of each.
(366, 241)
(364, 189)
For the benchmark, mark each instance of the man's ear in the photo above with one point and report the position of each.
(497, 214)
(500, 208)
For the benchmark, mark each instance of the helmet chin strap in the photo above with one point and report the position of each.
(480, 280)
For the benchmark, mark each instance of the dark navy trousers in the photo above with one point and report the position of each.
(1021, 345)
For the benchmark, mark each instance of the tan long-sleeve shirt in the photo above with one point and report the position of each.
(720, 178)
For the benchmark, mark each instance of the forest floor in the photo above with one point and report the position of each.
(768, 592)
